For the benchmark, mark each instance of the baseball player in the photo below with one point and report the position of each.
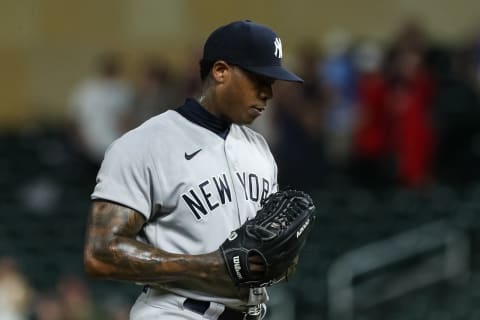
(170, 192)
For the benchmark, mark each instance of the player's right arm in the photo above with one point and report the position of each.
(112, 251)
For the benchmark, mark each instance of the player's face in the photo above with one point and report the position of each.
(245, 95)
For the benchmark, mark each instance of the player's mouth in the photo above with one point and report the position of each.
(260, 109)
(256, 111)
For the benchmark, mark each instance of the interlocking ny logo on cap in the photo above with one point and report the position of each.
(278, 47)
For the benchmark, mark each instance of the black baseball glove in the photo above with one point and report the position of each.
(276, 235)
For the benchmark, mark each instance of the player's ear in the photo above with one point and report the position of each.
(221, 71)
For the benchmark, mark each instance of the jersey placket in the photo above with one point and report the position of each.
(232, 167)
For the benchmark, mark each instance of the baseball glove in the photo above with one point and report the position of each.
(276, 234)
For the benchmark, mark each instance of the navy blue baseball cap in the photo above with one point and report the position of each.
(251, 46)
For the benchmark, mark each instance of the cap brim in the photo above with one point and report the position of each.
(275, 72)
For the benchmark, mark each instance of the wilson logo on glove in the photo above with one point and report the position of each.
(237, 267)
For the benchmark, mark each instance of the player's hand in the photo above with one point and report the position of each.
(257, 266)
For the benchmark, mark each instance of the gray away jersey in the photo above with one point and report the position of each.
(192, 186)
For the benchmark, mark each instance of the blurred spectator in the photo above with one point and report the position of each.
(156, 90)
(190, 82)
(15, 292)
(76, 300)
(116, 308)
(410, 98)
(48, 307)
(371, 158)
(466, 58)
(99, 108)
(456, 114)
(338, 74)
(299, 119)
(411, 36)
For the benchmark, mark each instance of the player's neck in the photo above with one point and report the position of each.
(211, 104)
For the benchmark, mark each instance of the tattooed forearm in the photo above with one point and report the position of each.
(111, 250)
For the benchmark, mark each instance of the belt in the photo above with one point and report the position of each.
(201, 306)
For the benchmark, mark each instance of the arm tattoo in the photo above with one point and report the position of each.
(112, 251)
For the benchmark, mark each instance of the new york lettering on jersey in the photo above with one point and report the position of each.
(209, 194)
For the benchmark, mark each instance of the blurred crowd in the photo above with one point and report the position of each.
(404, 113)
(401, 113)
(69, 299)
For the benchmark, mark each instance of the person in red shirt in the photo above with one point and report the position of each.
(409, 99)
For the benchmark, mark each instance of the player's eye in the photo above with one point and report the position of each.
(266, 81)
(260, 80)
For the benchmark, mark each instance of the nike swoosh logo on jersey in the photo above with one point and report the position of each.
(190, 156)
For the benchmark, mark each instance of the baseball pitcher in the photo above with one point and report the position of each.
(187, 205)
